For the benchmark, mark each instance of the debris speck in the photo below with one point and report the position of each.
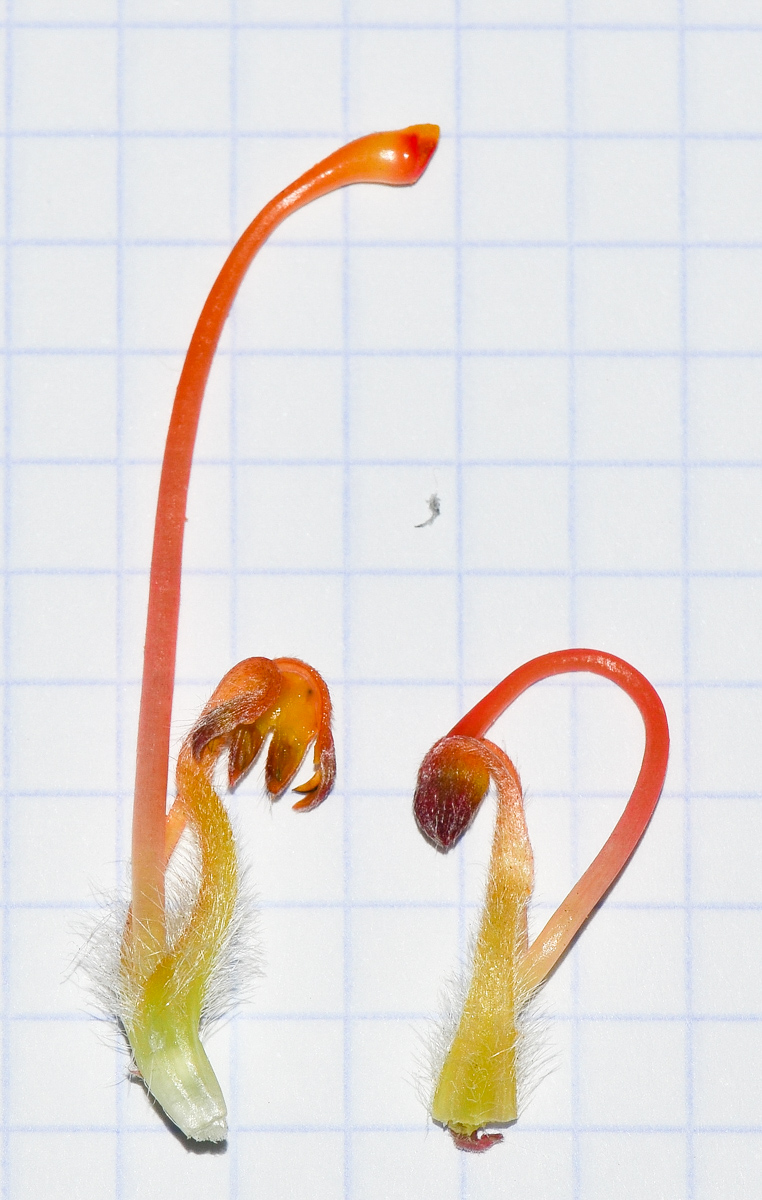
(434, 509)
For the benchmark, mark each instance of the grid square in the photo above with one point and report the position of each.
(633, 1166)
(298, 615)
(723, 12)
(725, 979)
(403, 628)
(402, 299)
(289, 407)
(727, 756)
(725, 868)
(172, 1170)
(726, 642)
(609, 737)
(64, 297)
(68, 762)
(640, 619)
(44, 425)
(627, 12)
(400, 957)
(148, 11)
(526, 69)
(204, 636)
(626, 82)
(391, 862)
(40, 983)
(726, 1164)
(724, 183)
(386, 506)
(64, 188)
(627, 190)
(304, 950)
(655, 874)
(82, 1165)
(402, 12)
(515, 408)
(392, 727)
(725, 532)
(316, 12)
(725, 416)
(293, 1074)
(727, 1058)
(628, 409)
(517, 519)
(650, 979)
(289, 80)
(538, 1166)
(42, 534)
(515, 299)
(527, 12)
(536, 732)
(164, 288)
(63, 1077)
(149, 382)
(38, 871)
(629, 520)
(402, 408)
(76, 10)
(632, 1073)
(724, 299)
(395, 74)
(64, 627)
(293, 861)
(386, 1057)
(723, 86)
(627, 299)
(508, 621)
(176, 188)
(289, 517)
(299, 1165)
(65, 79)
(514, 190)
(176, 80)
(409, 1167)
(292, 301)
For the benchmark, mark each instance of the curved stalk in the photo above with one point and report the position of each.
(395, 158)
(477, 1083)
(608, 864)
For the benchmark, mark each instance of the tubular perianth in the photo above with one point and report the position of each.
(550, 944)
(397, 158)
(477, 1084)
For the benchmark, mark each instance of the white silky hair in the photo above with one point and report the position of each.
(237, 965)
(535, 1059)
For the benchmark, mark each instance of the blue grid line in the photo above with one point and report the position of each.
(575, 1047)
(687, 655)
(235, 1048)
(122, 829)
(346, 621)
(395, 27)
(5, 1155)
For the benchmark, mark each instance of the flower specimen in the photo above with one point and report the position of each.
(168, 956)
(478, 1084)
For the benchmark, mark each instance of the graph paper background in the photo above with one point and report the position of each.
(559, 332)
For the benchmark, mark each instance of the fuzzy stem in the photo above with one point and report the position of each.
(571, 915)
(477, 1084)
(399, 157)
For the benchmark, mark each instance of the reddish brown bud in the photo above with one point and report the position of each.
(452, 782)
